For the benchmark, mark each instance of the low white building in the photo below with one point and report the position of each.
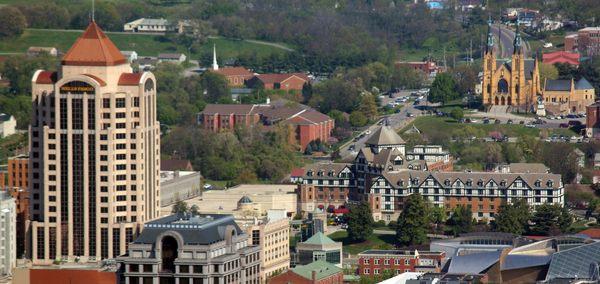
(8, 234)
(8, 125)
(172, 57)
(144, 25)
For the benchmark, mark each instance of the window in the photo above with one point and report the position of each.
(120, 102)
(366, 261)
(376, 261)
(407, 261)
(184, 269)
(106, 103)
(386, 261)
(376, 271)
(366, 271)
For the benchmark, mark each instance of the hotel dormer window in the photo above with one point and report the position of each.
(447, 182)
(309, 173)
(480, 183)
(538, 183)
(469, 182)
(550, 183)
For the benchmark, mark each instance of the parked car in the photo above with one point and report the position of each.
(352, 147)
(207, 186)
(574, 123)
(497, 121)
(564, 125)
(509, 121)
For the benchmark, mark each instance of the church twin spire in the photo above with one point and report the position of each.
(517, 42)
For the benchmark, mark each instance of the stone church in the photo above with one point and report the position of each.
(511, 82)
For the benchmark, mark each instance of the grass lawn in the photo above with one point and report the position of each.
(429, 124)
(374, 242)
(143, 44)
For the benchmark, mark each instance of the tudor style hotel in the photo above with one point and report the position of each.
(94, 153)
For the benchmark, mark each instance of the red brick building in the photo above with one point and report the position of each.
(236, 76)
(592, 120)
(318, 272)
(586, 41)
(571, 58)
(61, 276)
(375, 262)
(217, 117)
(430, 68)
(17, 174)
(306, 125)
(325, 186)
(292, 81)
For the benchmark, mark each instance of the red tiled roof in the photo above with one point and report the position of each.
(233, 71)
(315, 116)
(297, 172)
(46, 77)
(561, 57)
(227, 109)
(93, 48)
(100, 81)
(130, 79)
(593, 233)
(278, 78)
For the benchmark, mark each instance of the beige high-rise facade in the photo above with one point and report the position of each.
(94, 153)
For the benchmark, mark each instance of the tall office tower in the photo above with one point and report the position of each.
(8, 234)
(94, 153)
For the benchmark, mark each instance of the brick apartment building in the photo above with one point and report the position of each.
(16, 187)
(291, 81)
(305, 124)
(586, 41)
(375, 262)
(325, 186)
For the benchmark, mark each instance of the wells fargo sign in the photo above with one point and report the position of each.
(77, 87)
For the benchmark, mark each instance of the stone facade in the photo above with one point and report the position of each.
(94, 153)
(514, 82)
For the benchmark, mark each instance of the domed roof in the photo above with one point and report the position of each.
(245, 200)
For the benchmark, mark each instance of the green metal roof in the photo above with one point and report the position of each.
(319, 239)
(324, 269)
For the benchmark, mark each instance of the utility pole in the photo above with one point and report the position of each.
(470, 52)
(445, 66)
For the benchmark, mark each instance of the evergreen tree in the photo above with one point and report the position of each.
(412, 222)
(360, 222)
(461, 220)
(550, 220)
(512, 218)
(443, 89)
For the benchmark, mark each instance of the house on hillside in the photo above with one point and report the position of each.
(130, 55)
(171, 57)
(8, 125)
(38, 50)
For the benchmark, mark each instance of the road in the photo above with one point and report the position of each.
(396, 121)
(505, 38)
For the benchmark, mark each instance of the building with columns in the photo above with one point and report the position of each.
(94, 153)
(511, 82)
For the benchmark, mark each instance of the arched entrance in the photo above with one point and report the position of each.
(502, 86)
(496, 101)
(169, 253)
(503, 101)
(509, 102)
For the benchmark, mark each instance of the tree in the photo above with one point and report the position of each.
(360, 222)
(179, 207)
(550, 219)
(358, 119)
(461, 220)
(194, 210)
(216, 87)
(512, 218)
(457, 113)
(406, 77)
(437, 216)
(548, 71)
(307, 92)
(465, 77)
(443, 89)
(368, 106)
(12, 22)
(412, 222)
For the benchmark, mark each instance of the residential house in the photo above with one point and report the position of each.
(175, 165)
(568, 96)
(147, 63)
(429, 68)
(130, 55)
(8, 125)
(317, 272)
(37, 50)
(292, 81)
(171, 57)
(571, 58)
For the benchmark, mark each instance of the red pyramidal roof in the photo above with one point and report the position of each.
(93, 48)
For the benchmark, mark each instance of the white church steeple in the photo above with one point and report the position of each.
(215, 66)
